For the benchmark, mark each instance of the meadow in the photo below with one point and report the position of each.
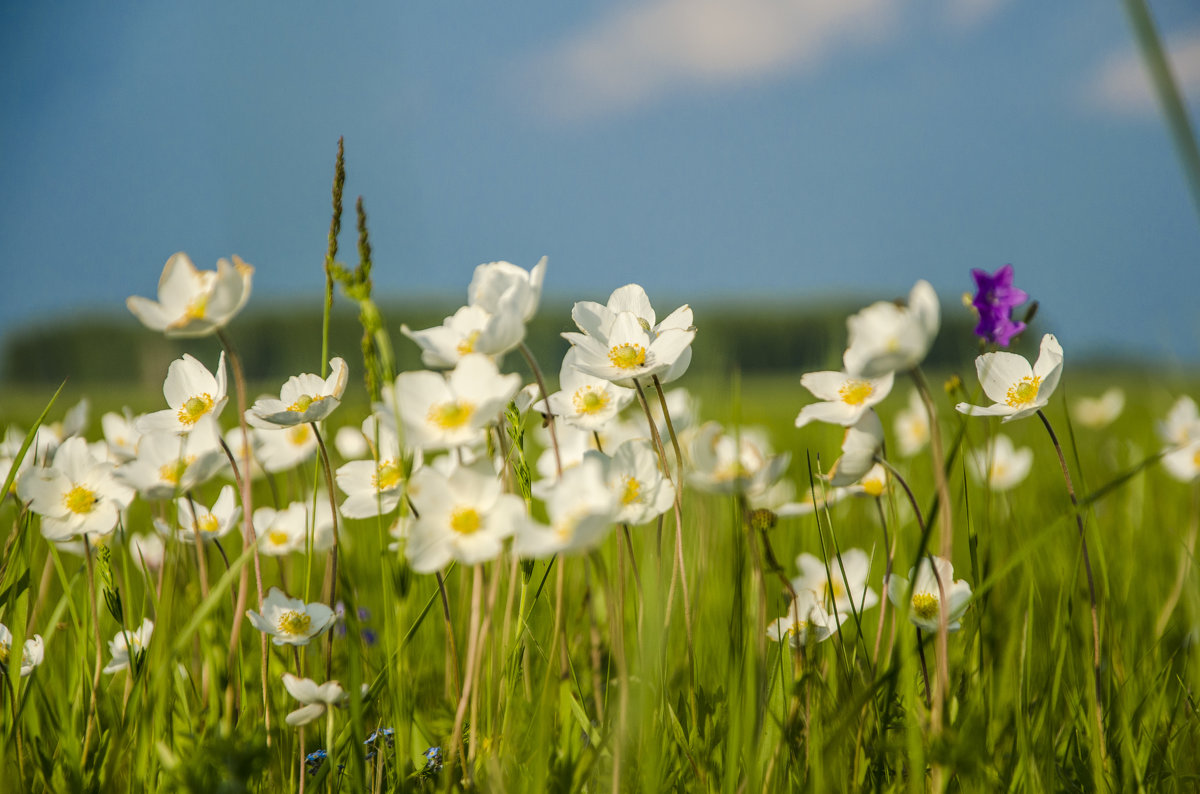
(430, 586)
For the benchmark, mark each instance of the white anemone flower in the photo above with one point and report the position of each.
(805, 621)
(585, 401)
(926, 603)
(1182, 423)
(290, 621)
(121, 435)
(860, 445)
(625, 349)
(283, 448)
(78, 495)
(212, 523)
(194, 302)
(843, 584)
(463, 515)
(912, 426)
(126, 646)
(597, 320)
(1099, 412)
(1016, 389)
(741, 461)
(471, 329)
(633, 475)
(192, 392)
(281, 532)
(1000, 464)
(454, 410)
(302, 399)
(168, 464)
(886, 337)
(350, 443)
(147, 551)
(317, 698)
(32, 650)
(500, 287)
(844, 397)
(581, 509)
(373, 487)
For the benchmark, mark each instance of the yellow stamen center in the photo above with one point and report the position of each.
(304, 401)
(293, 622)
(873, 487)
(194, 408)
(208, 523)
(590, 401)
(836, 589)
(278, 537)
(451, 415)
(627, 356)
(197, 308)
(173, 472)
(465, 521)
(855, 392)
(467, 345)
(80, 500)
(632, 492)
(925, 605)
(387, 476)
(4, 650)
(299, 435)
(1024, 392)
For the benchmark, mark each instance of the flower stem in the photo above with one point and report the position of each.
(541, 382)
(333, 552)
(91, 583)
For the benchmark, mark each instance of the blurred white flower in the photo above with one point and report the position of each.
(581, 509)
(450, 411)
(1016, 389)
(121, 435)
(840, 586)
(211, 523)
(77, 495)
(147, 551)
(886, 337)
(1000, 464)
(499, 287)
(317, 698)
(168, 464)
(637, 482)
(373, 487)
(737, 462)
(844, 397)
(194, 302)
(585, 401)
(32, 651)
(1099, 412)
(926, 602)
(912, 426)
(126, 646)
(860, 445)
(472, 329)
(283, 448)
(350, 443)
(806, 620)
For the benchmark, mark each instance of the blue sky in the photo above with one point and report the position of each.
(780, 150)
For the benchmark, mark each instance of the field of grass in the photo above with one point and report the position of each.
(585, 671)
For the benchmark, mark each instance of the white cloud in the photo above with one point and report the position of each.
(1122, 83)
(648, 49)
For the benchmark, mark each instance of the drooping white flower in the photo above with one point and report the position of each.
(127, 645)
(927, 595)
(1000, 464)
(585, 401)
(317, 698)
(581, 509)
(290, 621)
(500, 287)
(472, 329)
(439, 411)
(886, 337)
(1016, 389)
(211, 523)
(77, 495)
(194, 302)
(844, 397)
(805, 620)
(842, 585)
(302, 399)
(912, 426)
(1099, 412)
(462, 515)
(860, 445)
(192, 393)
(32, 651)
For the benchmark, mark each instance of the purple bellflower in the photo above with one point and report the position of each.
(995, 298)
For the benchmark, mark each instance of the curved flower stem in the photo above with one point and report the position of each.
(541, 382)
(91, 583)
(1087, 567)
(251, 541)
(331, 585)
(924, 669)
(468, 679)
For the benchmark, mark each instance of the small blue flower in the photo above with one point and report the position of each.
(433, 762)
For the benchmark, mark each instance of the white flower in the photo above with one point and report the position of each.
(192, 392)
(885, 337)
(316, 698)
(843, 585)
(927, 594)
(168, 464)
(350, 443)
(1016, 389)
(284, 531)
(1000, 464)
(585, 401)
(1099, 412)
(121, 435)
(373, 487)
(472, 329)
(453, 410)
(147, 551)
(461, 515)
(283, 448)
(912, 426)
(126, 641)
(499, 287)
(805, 620)
(32, 651)
(621, 342)
(78, 495)
(194, 302)
(211, 524)
(303, 399)
(1182, 423)
(738, 462)
(290, 621)
(845, 398)
(581, 509)
(633, 475)
(859, 447)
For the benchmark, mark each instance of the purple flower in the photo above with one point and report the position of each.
(995, 298)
